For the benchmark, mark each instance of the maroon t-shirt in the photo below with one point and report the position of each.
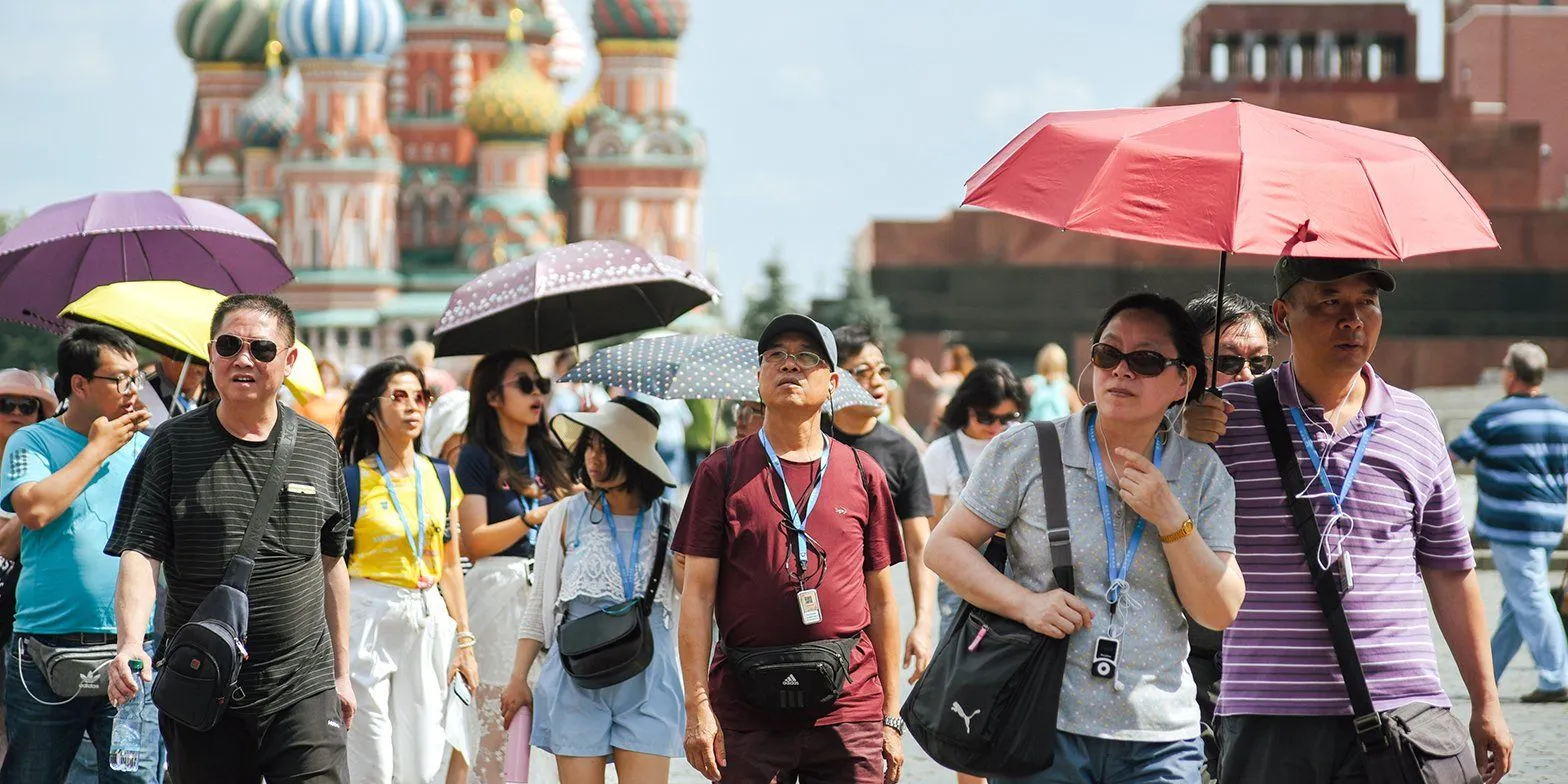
(756, 603)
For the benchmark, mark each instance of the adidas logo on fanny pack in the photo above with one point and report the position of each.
(790, 681)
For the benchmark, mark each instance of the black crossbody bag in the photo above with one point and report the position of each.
(199, 665)
(613, 645)
(1412, 744)
(987, 704)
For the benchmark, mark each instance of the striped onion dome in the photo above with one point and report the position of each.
(224, 31)
(568, 55)
(647, 19)
(341, 29)
(269, 115)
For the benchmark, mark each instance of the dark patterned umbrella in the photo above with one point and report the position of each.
(569, 295)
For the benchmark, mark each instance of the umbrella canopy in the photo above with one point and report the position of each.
(65, 250)
(566, 296)
(1234, 177)
(180, 325)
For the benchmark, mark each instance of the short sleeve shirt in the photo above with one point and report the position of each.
(900, 461)
(187, 503)
(381, 542)
(68, 585)
(477, 474)
(944, 476)
(1159, 703)
(756, 603)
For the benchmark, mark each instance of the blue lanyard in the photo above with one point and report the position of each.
(627, 567)
(1337, 499)
(417, 545)
(526, 504)
(1116, 577)
(796, 519)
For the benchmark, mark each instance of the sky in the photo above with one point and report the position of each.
(821, 115)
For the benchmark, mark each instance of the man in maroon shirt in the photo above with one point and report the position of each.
(740, 535)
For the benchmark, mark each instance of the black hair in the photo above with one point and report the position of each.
(1184, 333)
(989, 385)
(649, 488)
(1205, 308)
(261, 303)
(853, 339)
(357, 437)
(78, 354)
(484, 427)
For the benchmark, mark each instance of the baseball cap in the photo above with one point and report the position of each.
(1292, 270)
(794, 322)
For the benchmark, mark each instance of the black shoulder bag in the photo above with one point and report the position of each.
(615, 644)
(1413, 744)
(987, 704)
(199, 670)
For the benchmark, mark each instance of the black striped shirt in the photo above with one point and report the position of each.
(187, 502)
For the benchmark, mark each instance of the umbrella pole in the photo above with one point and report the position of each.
(713, 437)
(1219, 318)
(180, 384)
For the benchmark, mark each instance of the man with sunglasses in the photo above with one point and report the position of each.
(63, 478)
(187, 508)
(1393, 537)
(788, 538)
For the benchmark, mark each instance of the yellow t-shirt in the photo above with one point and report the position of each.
(381, 548)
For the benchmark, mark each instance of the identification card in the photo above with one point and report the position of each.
(810, 607)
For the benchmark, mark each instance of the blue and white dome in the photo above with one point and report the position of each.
(341, 29)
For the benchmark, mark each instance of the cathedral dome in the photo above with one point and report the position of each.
(515, 101)
(647, 19)
(567, 53)
(269, 115)
(224, 31)
(369, 30)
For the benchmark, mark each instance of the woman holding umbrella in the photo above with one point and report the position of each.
(24, 400)
(512, 473)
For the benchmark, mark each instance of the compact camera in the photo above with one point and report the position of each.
(1106, 650)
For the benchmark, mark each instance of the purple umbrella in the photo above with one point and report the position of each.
(565, 296)
(65, 250)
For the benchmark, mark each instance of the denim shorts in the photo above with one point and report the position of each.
(1080, 758)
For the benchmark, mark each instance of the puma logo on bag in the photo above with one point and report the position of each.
(959, 709)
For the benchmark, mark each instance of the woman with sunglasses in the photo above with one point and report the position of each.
(596, 551)
(1152, 522)
(408, 606)
(512, 473)
(24, 400)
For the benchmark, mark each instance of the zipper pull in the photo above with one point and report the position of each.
(980, 635)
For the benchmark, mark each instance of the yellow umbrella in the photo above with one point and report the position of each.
(174, 319)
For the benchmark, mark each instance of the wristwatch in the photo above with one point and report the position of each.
(895, 722)
(1180, 533)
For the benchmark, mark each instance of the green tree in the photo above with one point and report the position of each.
(860, 305)
(775, 298)
(22, 346)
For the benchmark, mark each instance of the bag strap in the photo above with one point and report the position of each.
(351, 482)
(958, 456)
(1369, 725)
(237, 573)
(658, 558)
(1054, 485)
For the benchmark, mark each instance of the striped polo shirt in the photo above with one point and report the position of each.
(1520, 448)
(1278, 656)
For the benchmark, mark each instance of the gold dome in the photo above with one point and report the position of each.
(515, 101)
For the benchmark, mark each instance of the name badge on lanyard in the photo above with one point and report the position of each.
(810, 603)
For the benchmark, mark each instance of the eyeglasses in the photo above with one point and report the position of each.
(865, 372)
(805, 359)
(25, 406)
(125, 384)
(1144, 363)
(1231, 364)
(229, 346)
(420, 397)
(988, 418)
(528, 385)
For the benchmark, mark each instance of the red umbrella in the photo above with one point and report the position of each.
(1235, 178)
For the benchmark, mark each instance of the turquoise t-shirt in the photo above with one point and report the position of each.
(67, 584)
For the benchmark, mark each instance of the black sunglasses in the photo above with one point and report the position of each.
(1231, 364)
(528, 385)
(229, 346)
(25, 406)
(988, 418)
(1144, 363)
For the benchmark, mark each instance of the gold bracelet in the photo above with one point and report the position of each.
(465, 644)
(1180, 533)
(466, 637)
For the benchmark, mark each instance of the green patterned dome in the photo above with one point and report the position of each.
(225, 31)
(646, 19)
(515, 101)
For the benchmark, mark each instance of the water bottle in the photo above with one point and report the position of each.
(515, 767)
(131, 724)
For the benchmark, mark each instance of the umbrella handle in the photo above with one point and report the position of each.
(1219, 318)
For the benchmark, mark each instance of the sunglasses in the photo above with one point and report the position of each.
(25, 406)
(1144, 363)
(528, 385)
(420, 397)
(229, 346)
(1231, 364)
(805, 359)
(987, 418)
(865, 372)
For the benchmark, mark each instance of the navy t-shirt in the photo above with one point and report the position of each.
(477, 474)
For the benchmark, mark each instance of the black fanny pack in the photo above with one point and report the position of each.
(802, 677)
(73, 672)
(199, 664)
(613, 645)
